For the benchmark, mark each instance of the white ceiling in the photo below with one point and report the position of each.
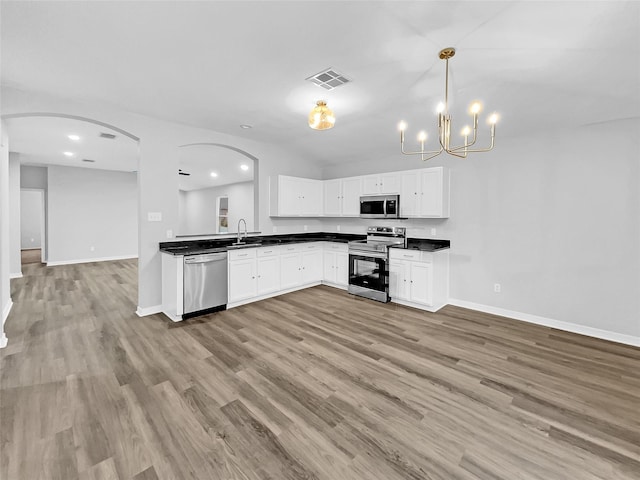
(542, 65)
(43, 140)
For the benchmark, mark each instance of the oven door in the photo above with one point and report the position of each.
(369, 275)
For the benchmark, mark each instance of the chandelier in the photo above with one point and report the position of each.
(321, 117)
(444, 125)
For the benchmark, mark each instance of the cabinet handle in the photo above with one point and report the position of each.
(253, 277)
(408, 256)
(268, 251)
(243, 255)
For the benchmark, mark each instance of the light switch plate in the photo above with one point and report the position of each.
(154, 216)
(169, 233)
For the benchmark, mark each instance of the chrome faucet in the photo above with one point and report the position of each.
(245, 229)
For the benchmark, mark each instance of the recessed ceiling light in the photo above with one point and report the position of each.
(73, 137)
(244, 167)
(214, 174)
(68, 154)
(245, 126)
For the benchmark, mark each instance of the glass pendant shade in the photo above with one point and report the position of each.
(321, 117)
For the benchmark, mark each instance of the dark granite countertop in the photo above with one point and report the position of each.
(427, 244)
(195, 247)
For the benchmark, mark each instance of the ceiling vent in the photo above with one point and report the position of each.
(328, 79)
(88, 160)
(110, 136)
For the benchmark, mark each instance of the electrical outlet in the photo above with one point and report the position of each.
(433, 231)
(275, 229)
(497, 288)
(337, 228)
(306, 228)
(92, 248)
(169, 233)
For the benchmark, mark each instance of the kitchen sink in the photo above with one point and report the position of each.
(244, 245)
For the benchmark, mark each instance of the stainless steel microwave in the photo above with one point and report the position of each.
(380, 206)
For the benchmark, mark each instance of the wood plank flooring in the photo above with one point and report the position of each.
(316, 384)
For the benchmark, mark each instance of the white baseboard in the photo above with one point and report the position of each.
(143, 312)
(15, 275)
(550, 322)
(89, 260)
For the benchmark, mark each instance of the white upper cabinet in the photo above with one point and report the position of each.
(295, 197)
(424, 193)
(382, 183)
(434, 193)
(342, 197)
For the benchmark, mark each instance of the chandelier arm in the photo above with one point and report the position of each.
(435, 154)
(420, 152)
(489, 148)
(458, 155)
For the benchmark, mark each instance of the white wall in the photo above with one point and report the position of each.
(31, 219)
(15, 263)
(5, 290)
(198, 208)
(552, 217)
(92, 214)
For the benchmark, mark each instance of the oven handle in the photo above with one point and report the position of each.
(361, 253)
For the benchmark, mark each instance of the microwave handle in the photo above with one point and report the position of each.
(385, 206)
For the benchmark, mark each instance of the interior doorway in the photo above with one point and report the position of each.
(32, 226)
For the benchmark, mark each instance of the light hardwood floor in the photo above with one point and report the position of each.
(316, 384)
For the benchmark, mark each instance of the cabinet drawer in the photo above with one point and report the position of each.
(305, 247)
(293, 247)
(242, 254)
(413, 255)
(268, 251)
(336, 247)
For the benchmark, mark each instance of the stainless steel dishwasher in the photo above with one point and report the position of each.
(205, 283)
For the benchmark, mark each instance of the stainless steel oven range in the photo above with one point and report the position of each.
(369, 262)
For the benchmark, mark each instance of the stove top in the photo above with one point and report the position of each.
(379, 239)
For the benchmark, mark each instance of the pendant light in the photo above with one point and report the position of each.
(321, 117)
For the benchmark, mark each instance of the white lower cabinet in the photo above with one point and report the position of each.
(262, 272)
(268, 274)
(419, 279)
(242, 279)
(336, 265)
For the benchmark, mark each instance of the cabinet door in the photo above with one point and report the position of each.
(421, 286)
(289, 196)
(370, 184)
(332, 198)
(351, 191)
(398, 280)
(268, 275)
(329, 267)
(342, 269)
(409, 197)
(311, 196)
(431, 193)
(290, 270)
(312, 266)
(242, 279)
(389, 183)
